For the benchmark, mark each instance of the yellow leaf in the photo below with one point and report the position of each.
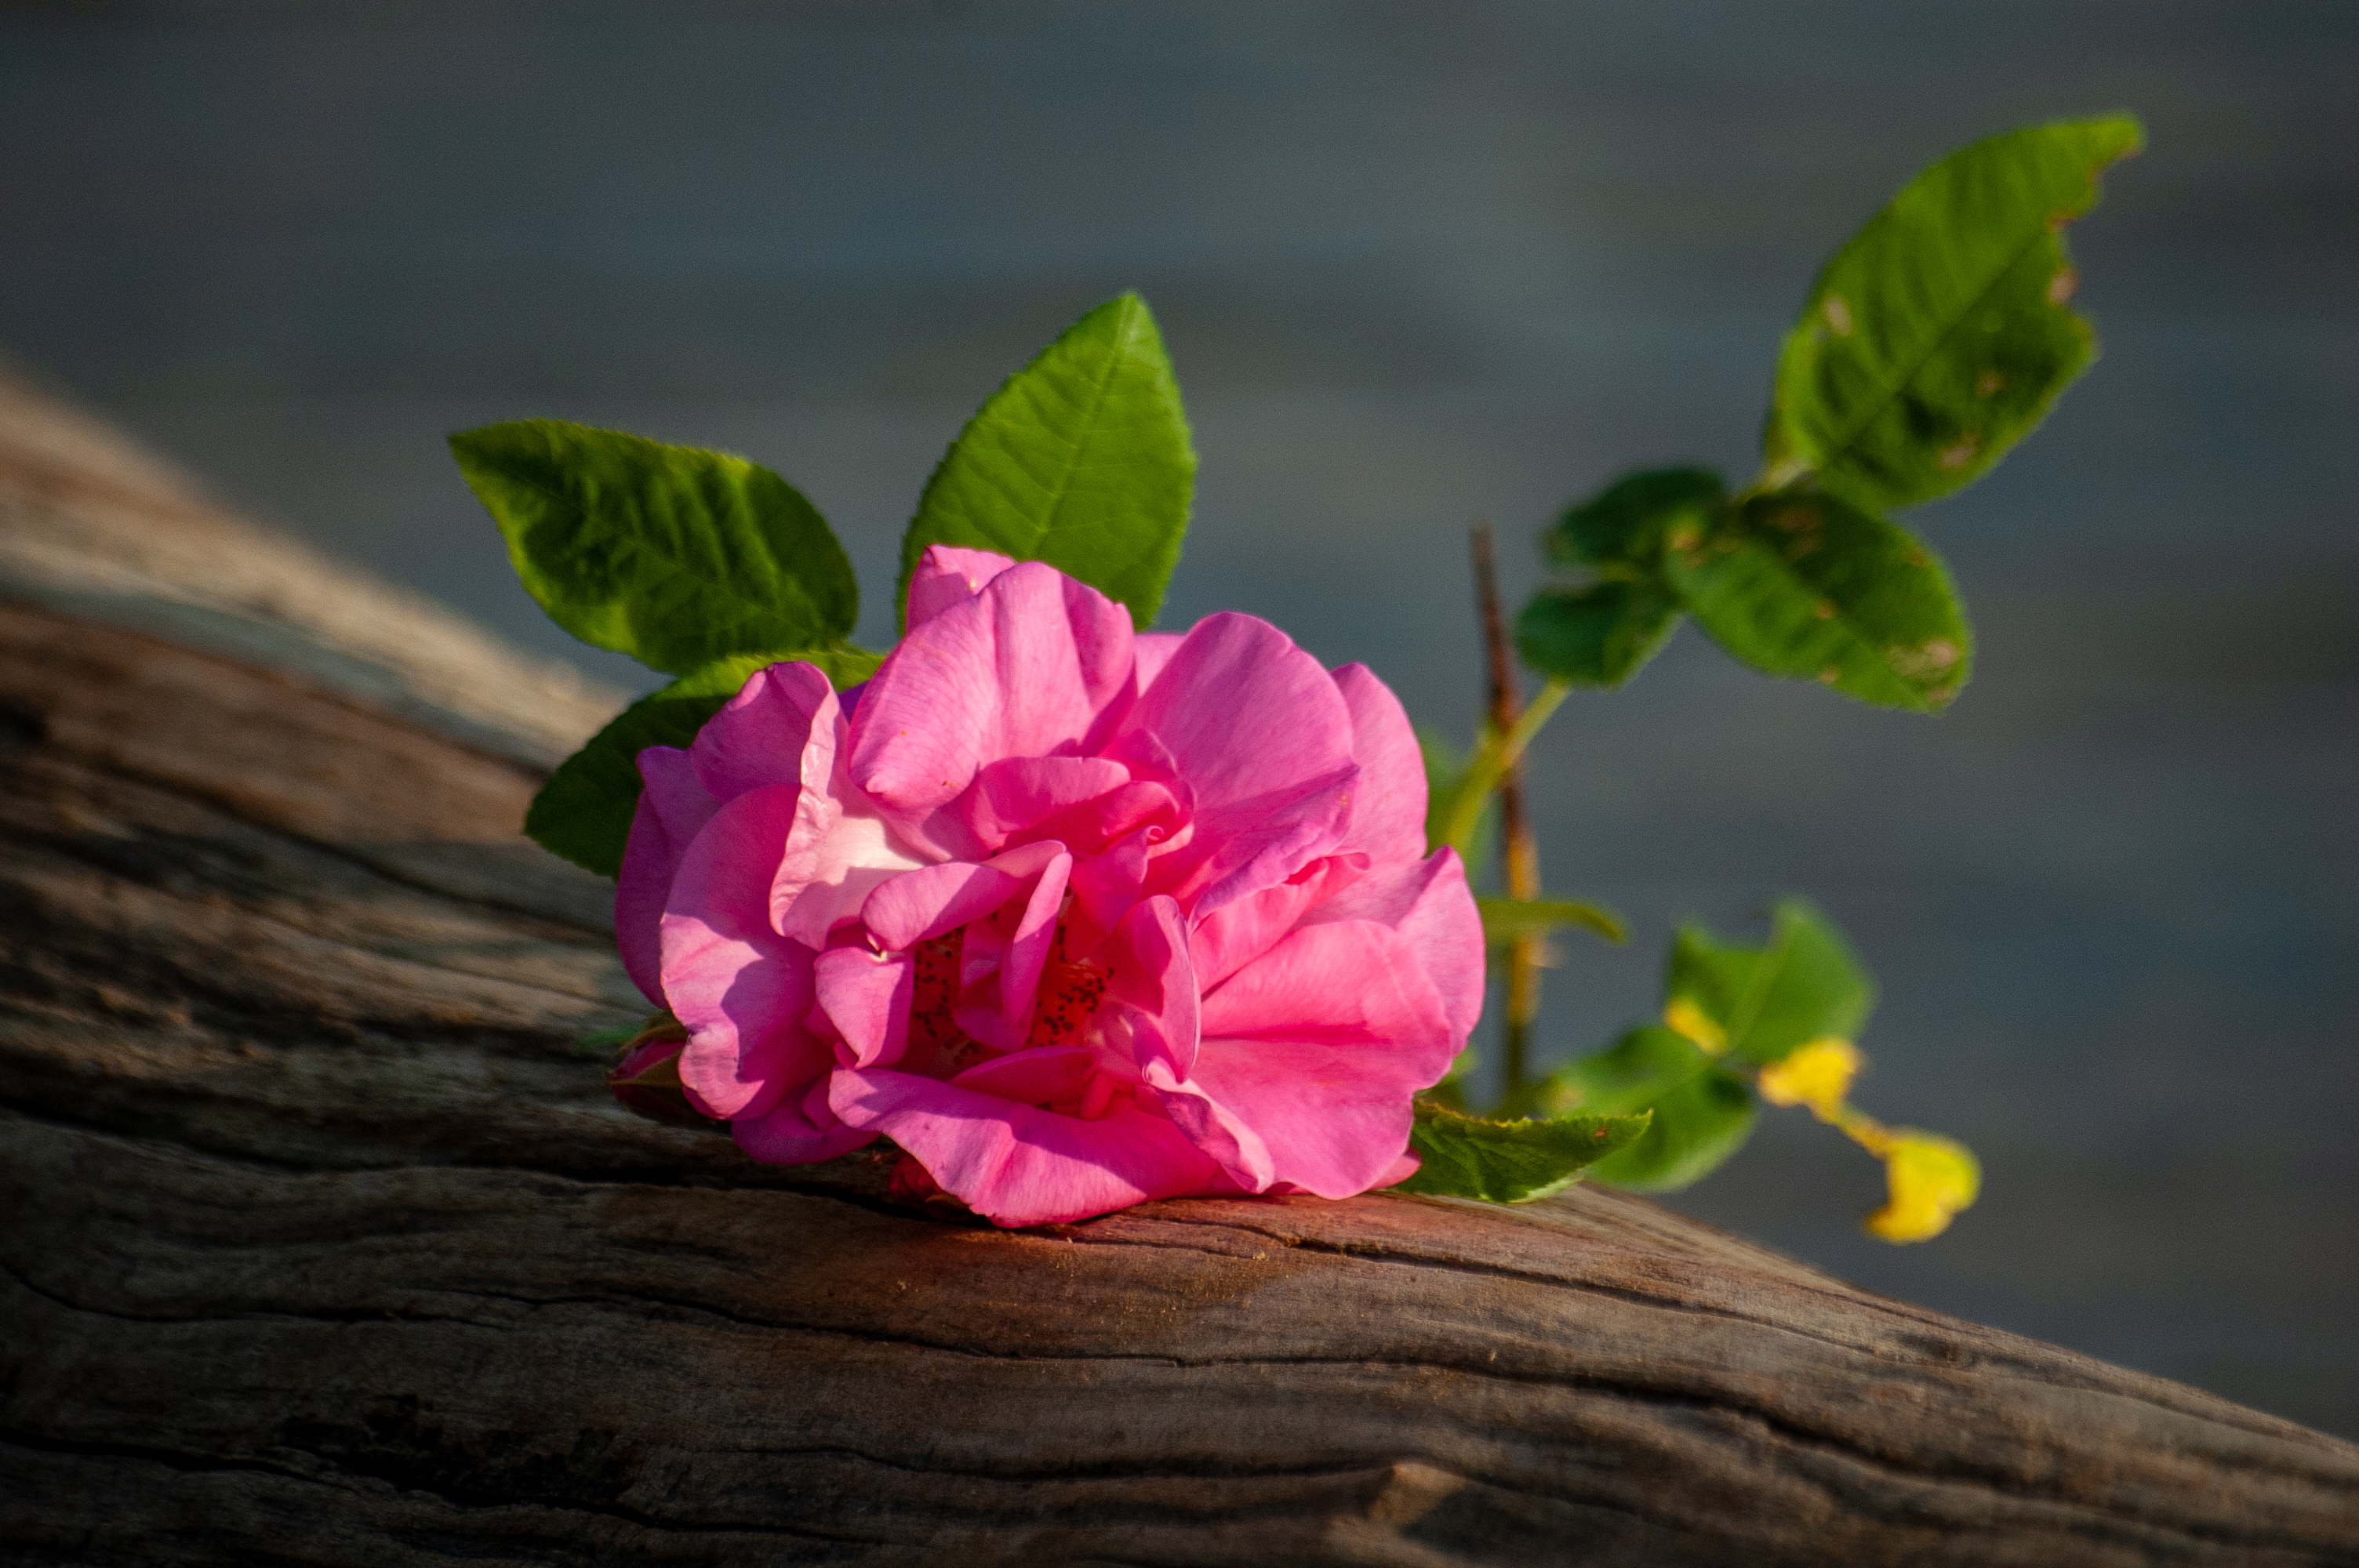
(1818, 1075)
(1930, 1179)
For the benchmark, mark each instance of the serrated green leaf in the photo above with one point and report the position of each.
(1628, 1076)
(1624, 523)
(1939, 335)
(1510, 1161)
(584, 811)
(1804, 985)
(1808, 586)
(674, 555)
(1696, 1125)
(1507, 920)
(1082, 459)
(1598, 635)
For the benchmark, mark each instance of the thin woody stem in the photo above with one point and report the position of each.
(1519, 850)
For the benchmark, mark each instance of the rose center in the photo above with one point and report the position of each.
(934, 1033)
(1068, 998)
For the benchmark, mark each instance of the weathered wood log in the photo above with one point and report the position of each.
(325, 1247)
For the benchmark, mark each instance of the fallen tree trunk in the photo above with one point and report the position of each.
(326, 1246)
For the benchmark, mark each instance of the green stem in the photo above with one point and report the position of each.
(1490, 765)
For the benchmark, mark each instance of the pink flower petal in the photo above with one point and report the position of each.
(742, 990)
(1234, 934)
(1325, 1119)
(823, 882)
(1244, 713)
(1035, 665)
(798, 1130)
(1150, 651)
(673, 809)
(1228, 1137)
(1015, 1164)
(866, 997)
(1015, 943)
(1152, 975)
(1018, 794)
(1105, 887)
(1039, 1077)
(1309, 1057)
(947, 576)
(1427, 903)
(1388, 801)
(917, 905)
(840, 848)
(780, 729)
(1263, 737)
(1028, 948)
(1349, 983)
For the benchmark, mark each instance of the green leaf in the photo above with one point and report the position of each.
(1624, 523)
(1081, 461)
(1598, 631)
(673, 556)
(1811, 587)
(1632, 1074)
(1803, 985)
(584, 811)
(1598, 635)
(1941, 334)
(1696, 1125)
(1507, 920)
(1510, 1161)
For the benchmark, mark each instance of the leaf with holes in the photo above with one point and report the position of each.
(674, 555)
(1510, 1161)
(1939, 335)
(1808, 586)
(1081, 461)
(584, 811)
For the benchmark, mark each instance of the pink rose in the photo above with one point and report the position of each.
(1077, 917)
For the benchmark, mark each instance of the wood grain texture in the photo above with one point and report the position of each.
(325, 1248)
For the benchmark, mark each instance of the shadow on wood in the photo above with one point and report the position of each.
(325, 1247)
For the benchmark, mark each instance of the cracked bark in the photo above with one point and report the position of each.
(324, 1248)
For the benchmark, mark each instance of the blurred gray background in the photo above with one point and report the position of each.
(1416, 264)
